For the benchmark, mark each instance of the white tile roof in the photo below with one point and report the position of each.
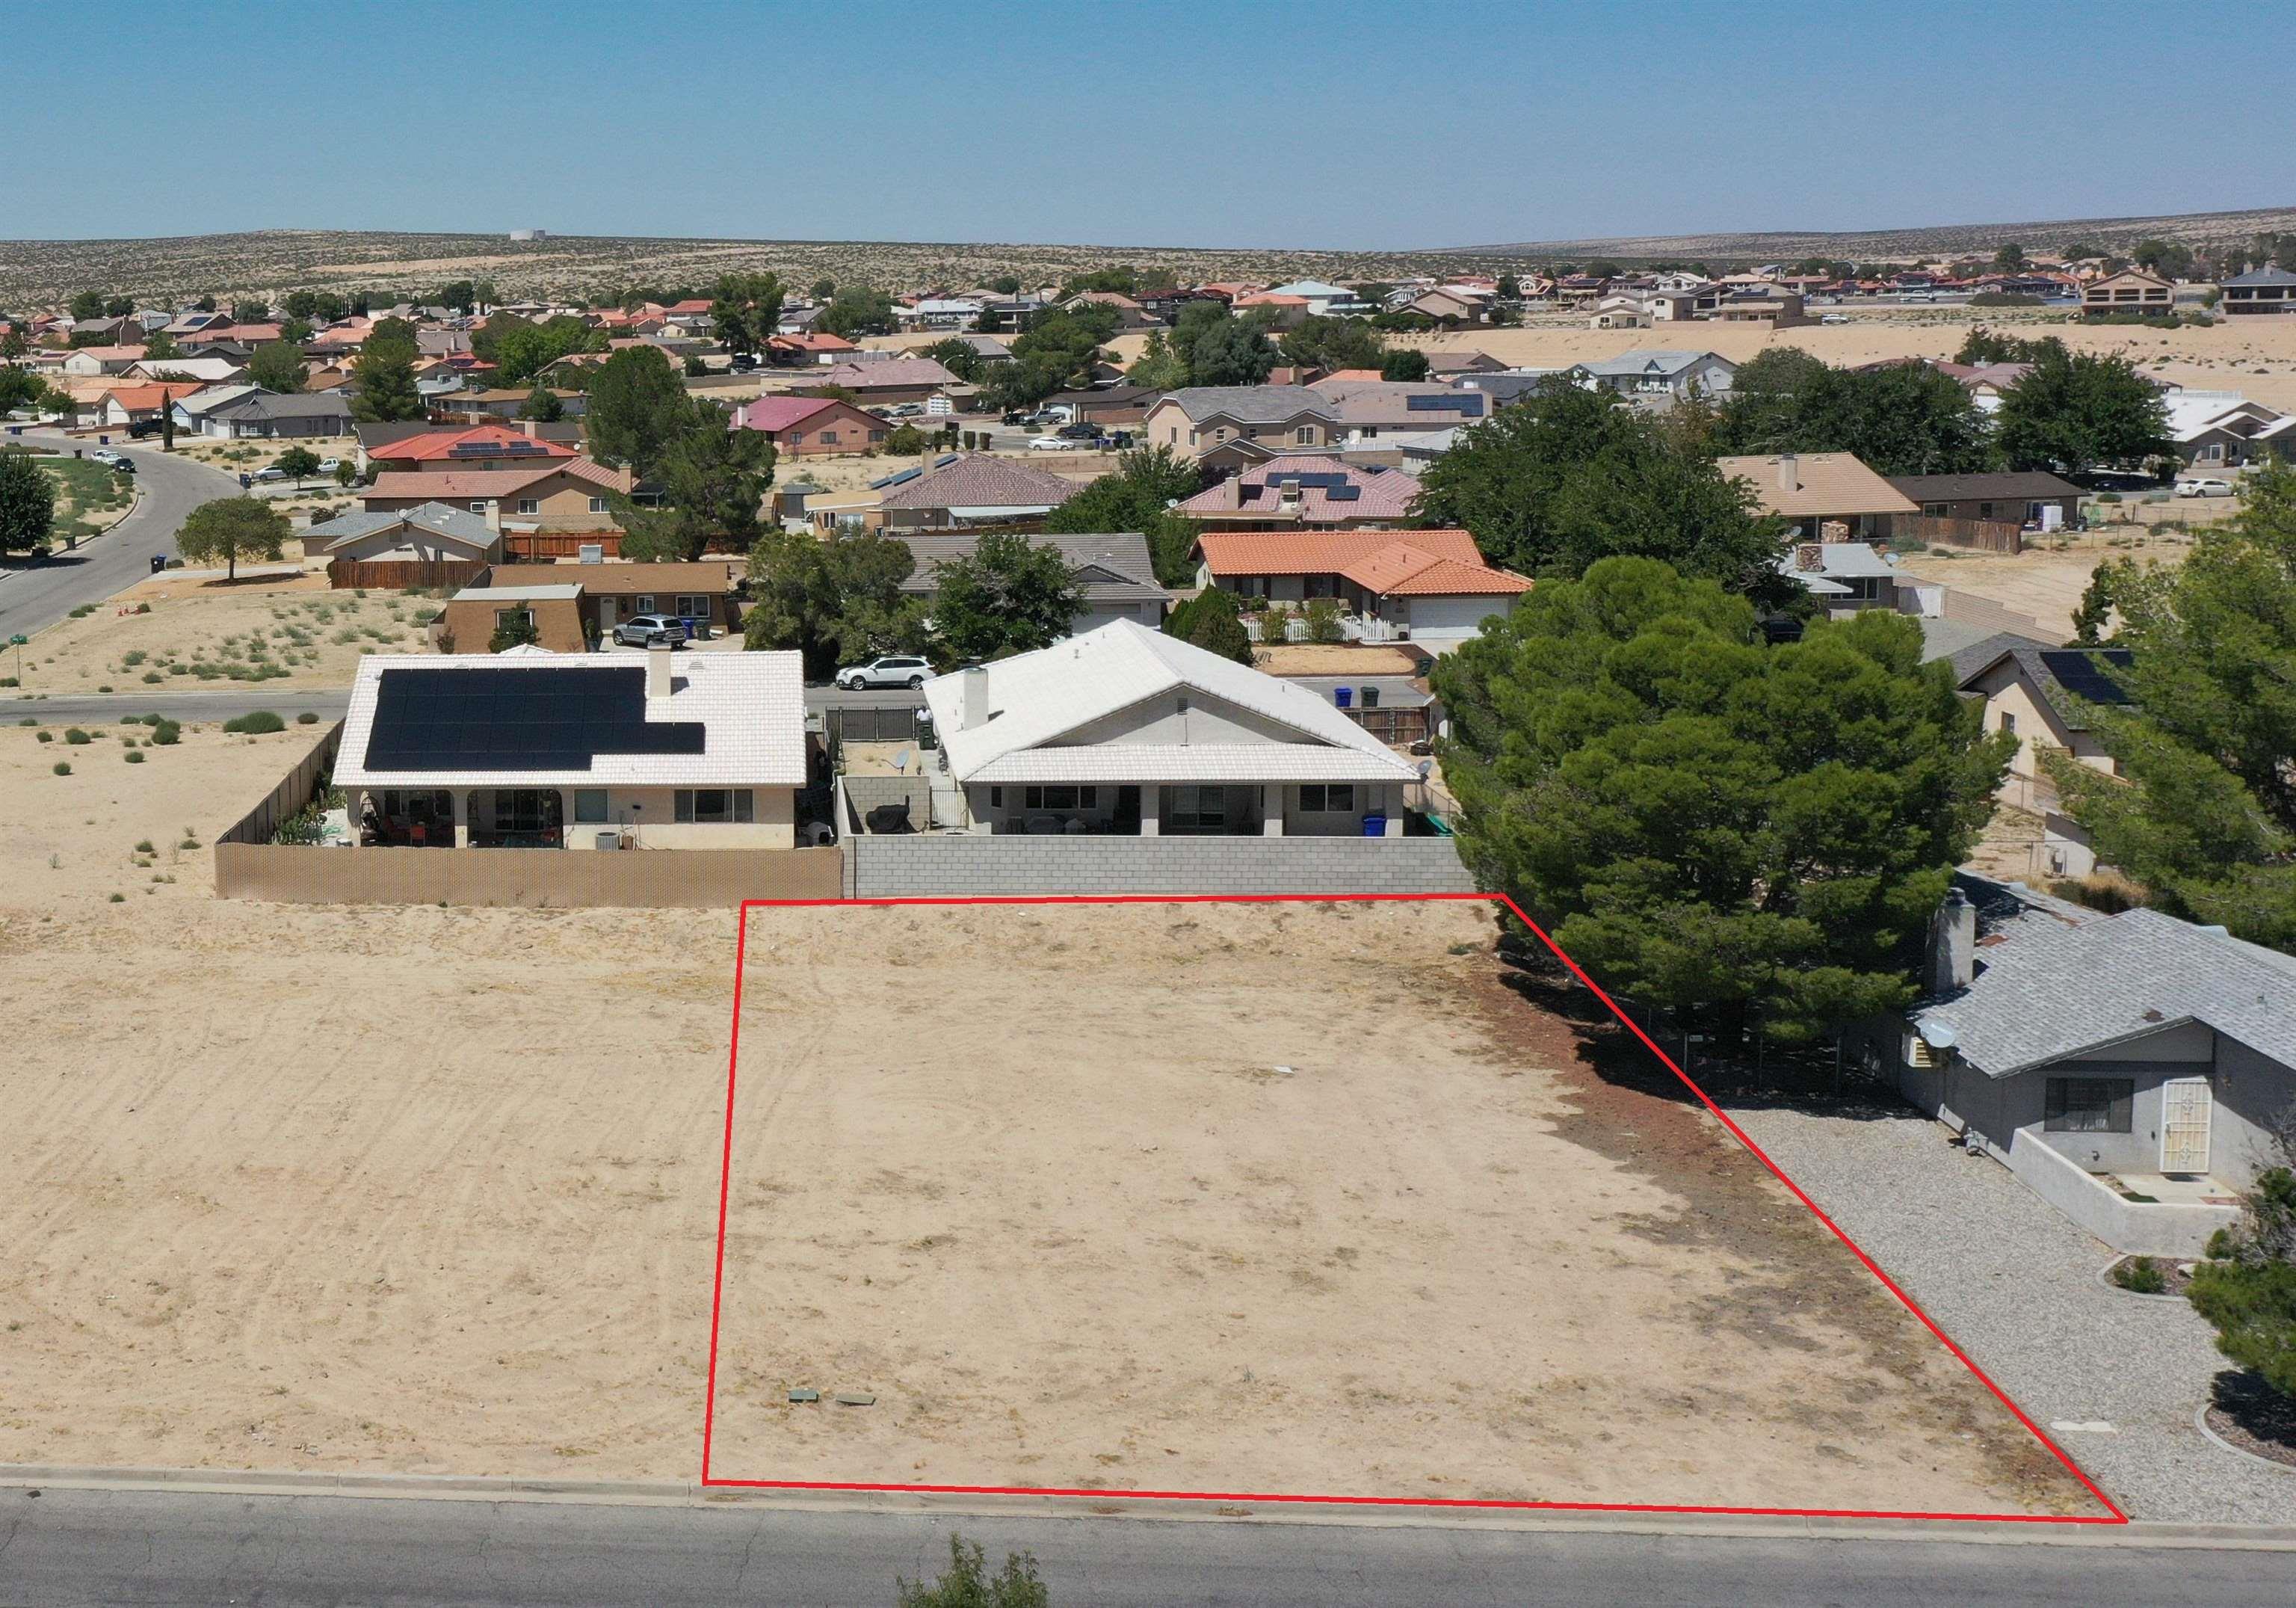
(1037, 699)
(751, 707)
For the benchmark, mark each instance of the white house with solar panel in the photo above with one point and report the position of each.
(532, 749)
(1126, 732)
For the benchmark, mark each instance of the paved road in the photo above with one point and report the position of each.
(36, 595)
(325, 703)
(148, 1547)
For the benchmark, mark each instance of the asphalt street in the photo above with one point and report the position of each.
(146, 1549)
(37, 594)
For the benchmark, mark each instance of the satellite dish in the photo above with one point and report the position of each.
(1426, 767)
(1937, 1035)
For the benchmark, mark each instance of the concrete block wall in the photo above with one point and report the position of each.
(963, 864)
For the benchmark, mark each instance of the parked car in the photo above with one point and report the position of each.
(894, 669)
(1078, 432)
(328, 465)
(645, 630)
(1051, 443)
(2205, 485)
(105, 455)
(269, 474)
(1834, 317)
(744, 362)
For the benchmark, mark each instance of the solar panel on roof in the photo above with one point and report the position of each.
(2082, 676)
(895, 480)
(1449, 404)
(1343, 494)
(945, 459)
(505, 720)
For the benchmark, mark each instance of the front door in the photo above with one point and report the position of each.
(2187, 1106)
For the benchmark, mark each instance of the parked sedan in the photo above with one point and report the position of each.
(2205, 485)
(1051, 443)
(104, 454)
(894, 669)
(645, 630)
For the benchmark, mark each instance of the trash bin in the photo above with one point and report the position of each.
(1343, 695)
(1375, 826)
(159, 563)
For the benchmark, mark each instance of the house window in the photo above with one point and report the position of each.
(514, 620)
(2088, 1105)
(526, 504)
(715, 806)
(525, 809)
(598, 505)
(1937, 511)
(995, 798)
(692, 607)
(1200, 810)
(1337, 798)
(2008, 722)
(1305, 435)
(1061, 796)
(642, 603)
(1985, 511)
(795, 437)
(477, 507)
(829, 437)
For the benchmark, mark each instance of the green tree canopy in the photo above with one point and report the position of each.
(542, 406)
(298, 463)
(958, 356)
(1907, 419)
(522, 350)
(713, 479)
(277, 365)
(637, 405)
(2076, 410)
(2204, 812)
(1213, 620)
(857, 309)
(1405, 363)
(86, 305)
(230, 529)
(1334, 343)
(1159, 365)
(383, 380)
(159, 343)
(1226, 351)
(1568, 477)
(28, 505)
(835, 601)
(1056, 353)
(966, 1582)
(1133, 497)
(1733, 832)
(746, 310)
(1012, 595)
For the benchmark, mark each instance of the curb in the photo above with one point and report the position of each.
(2104, 1277)
(2201, 1422)
(690, 1493)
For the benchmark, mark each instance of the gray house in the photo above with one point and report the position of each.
(2128, 1068)
(269, 415)
(1113, 572)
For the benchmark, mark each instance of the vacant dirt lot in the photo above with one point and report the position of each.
(201, 629)
(1297, 1199)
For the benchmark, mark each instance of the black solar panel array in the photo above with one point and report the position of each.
(1443, 405)
(2081, 674)
(483, 719)
(498, 449)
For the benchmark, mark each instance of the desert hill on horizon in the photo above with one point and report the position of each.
(37, 273)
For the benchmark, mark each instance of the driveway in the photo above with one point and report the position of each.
(2014, 1282)
(34, 594)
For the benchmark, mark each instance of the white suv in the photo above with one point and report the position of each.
(895, 669)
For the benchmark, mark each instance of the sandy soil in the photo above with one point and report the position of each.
(420, 1189)
(201, 620)
(2045, 586)
(1297, 1199)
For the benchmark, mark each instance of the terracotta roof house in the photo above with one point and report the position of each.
(467, 447)
(1125, 732)
(809, 427)
(1426, 586)
(376, 438)
(130, 405)
(701, 593)
(1113, 572)
(561, 750)
(426, 533)
(89, 361)
(1367, 409)
(566, 494)
(969, 488)
(807, 349)
(1813, 490)
(1129, 313)
(1197, 419)
(890, 380)
(1306, 491)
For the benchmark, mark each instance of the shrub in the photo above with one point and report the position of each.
(260, 721)
(143, 846)
(76, 737)
(118, 899)
(307, 718)
(134, 756)
(167, 734)
(2141, 1276)
(62, 768)
(47, 736)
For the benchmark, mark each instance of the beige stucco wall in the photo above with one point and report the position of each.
(652, 812)
(2006, 692)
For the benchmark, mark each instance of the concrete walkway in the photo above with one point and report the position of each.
(2015, 1283)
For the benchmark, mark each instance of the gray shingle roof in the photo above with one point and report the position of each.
(2049, 670)
(2058, 981)
(977, 481)
(458, 522)
(1249, 404)
(1961, 488)
(1112, 568)
(297, 404)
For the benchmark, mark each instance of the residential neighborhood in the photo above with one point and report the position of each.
(739, 876)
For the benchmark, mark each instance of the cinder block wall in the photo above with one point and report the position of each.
(959, 864)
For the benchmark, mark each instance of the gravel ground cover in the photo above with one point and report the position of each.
(2015, 1283)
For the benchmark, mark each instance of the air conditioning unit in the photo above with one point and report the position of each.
(608, 840)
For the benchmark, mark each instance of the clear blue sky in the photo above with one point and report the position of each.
(1334, 123)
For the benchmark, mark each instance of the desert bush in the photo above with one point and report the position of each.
(62, 768)
(2140, 1275)
(76, 737)
(134, 756)
(259, 720)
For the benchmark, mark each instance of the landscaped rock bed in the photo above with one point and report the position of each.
(2251, 1414)
(2151, 1275)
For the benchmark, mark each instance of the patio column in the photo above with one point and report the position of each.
(354, 802)
(461, 799)
(1271, 809)
(1152, 804)
(1390, 800)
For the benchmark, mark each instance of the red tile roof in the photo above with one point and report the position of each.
(775, 414)
(489, 483)
(470, 443)
(1391, 563)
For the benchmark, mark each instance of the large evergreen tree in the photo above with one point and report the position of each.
(28, 505)
(1133, 497)
(637, 405)
(2075, 410)
(746, 310)
(1012, 595)
(1906, 418)
(835, 601)
(1740, 833)
(383, 380)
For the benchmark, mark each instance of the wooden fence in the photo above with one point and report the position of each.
(397, 573)
(1987, 535)
(560, 543)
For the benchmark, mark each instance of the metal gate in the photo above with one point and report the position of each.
(2186, 1105)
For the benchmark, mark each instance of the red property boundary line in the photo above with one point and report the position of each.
(2112, 1515)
